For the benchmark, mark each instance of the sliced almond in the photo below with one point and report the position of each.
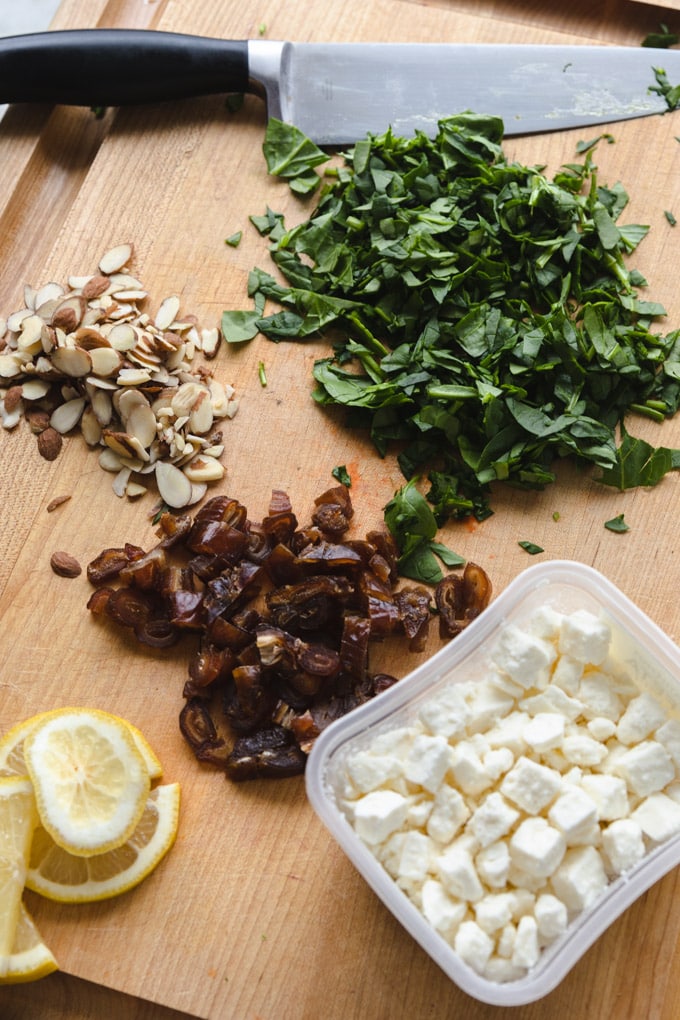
(167, 313)
(121, 480)
(173, 485)
(105, 361)
(30, 336)
(201, 416)
(66, 416)
(210, 342)
(90, 427)
(95, 286)
(72, 361)
(204, 469)
(141, 423)
(68, 314)
(114, 259)
(35, 389)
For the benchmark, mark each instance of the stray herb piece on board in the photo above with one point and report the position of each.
(670, 217)
(234, 239)
(586, 146)
(670, 93)
(342, 475)
(481, 317)
(531, 548)
(262, 373)
(660, 40)
(617, 524)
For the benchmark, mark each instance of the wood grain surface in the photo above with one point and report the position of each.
(256, 914)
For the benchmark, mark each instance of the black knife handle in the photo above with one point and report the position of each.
(118, 67)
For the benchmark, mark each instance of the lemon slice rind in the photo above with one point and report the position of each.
(90, 780)
(68, 878)
(30, 958)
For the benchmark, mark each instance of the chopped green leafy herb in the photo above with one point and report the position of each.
(262, 374)
(234, 239)
(556, 515)
(617, 524)
(639, 463)
(670, 217)
(586, 146)
(414, 527)
(342, 475)
(291, 155)
(660, 40)
(670, 93)
(531, 548)
(484, 320)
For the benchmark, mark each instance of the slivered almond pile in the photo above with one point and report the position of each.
(88, 356)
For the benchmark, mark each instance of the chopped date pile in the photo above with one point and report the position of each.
(284, 616)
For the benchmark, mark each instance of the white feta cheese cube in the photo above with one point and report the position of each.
(658, 816)
(371, 771)
(553, 699)
(551, 917)
(468, 769)
(525, 658)
(508, 733)
(492, 819)
(493, 911)
(580, 878)
(428, 762)
(445, 714)
(493, 864)
(504, 684)
(574, 813)
(526, 950)
(585, 637)
(497, 761)
(524, 903)
(646, 768)
(441, 911)
(610, 795)
(579, 748)
(545, 731)
(417, 854)
(546, 622)
(389, 852)
(567, 674)
(642, 716)
(673, 791)
(537, 847)
(378, 814)
(473, 945)
(519, 878)
(531, 786)
(601, 729)
(487, 703)
(418, 812)
(669, 735)
(449, 813)
(458, 874)
(505, 942)
(623, 844)
(598, 694)
(395, 742)
(502, 970)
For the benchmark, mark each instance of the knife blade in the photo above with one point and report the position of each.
(337, 93)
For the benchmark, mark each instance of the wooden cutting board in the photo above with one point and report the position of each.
(256, 913)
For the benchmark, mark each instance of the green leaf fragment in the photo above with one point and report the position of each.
(617, 524)
(342, 475)
(530, 547)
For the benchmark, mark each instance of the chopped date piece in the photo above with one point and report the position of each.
(413, 605)
(271, 753)
(267, 677)
(110, 562)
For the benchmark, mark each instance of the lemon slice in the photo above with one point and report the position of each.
(90, 781)
(12, 747)
(68, 878)
(18, 819)
(30, 958)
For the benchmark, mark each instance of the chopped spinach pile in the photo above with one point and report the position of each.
(481, 318)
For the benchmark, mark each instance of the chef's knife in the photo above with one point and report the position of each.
(338, 92)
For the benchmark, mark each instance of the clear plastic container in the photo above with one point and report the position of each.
(653, 661)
